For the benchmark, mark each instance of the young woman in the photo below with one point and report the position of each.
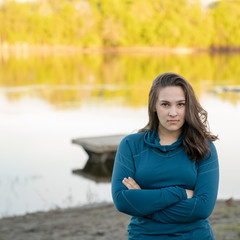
(166, 175)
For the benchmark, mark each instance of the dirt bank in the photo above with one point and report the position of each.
(102, 221)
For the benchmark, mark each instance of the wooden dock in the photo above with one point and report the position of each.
(100, 149)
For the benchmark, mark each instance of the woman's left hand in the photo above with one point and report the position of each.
(130, 183)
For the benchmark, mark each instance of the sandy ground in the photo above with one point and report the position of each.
(102, 221)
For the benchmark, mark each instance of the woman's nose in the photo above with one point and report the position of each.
(172, 112)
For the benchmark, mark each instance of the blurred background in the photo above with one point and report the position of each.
(82, 68)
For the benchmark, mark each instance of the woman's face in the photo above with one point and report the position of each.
(170, 108)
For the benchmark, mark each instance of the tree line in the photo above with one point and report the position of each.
(121, 23)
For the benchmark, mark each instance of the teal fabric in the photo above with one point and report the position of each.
(161, 210)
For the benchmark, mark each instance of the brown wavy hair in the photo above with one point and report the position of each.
(196, 134)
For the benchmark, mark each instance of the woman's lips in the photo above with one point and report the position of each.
(173, 121)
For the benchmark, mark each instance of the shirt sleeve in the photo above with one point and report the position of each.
(138, 202)
(201, 205)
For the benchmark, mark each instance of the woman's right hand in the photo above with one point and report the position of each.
(189, 193)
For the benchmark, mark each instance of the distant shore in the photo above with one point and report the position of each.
(102, 222)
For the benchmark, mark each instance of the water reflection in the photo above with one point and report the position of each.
(97, 171)
(71, 81)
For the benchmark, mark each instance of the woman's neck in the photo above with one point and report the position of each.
(168, 138)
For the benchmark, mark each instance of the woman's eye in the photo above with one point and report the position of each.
(164, 104)
(181, 104)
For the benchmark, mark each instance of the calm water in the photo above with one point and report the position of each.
(45, 102)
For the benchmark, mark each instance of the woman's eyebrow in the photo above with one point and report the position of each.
(162, 100)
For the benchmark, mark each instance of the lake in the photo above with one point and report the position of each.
(46, 101)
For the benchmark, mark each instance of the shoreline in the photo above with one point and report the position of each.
(21, 49)
(102, 221)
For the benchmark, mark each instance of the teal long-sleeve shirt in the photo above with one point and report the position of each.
(161, 210)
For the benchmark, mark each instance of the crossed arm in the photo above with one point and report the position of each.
(132, 184)
(201, 205)
(170, 204)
